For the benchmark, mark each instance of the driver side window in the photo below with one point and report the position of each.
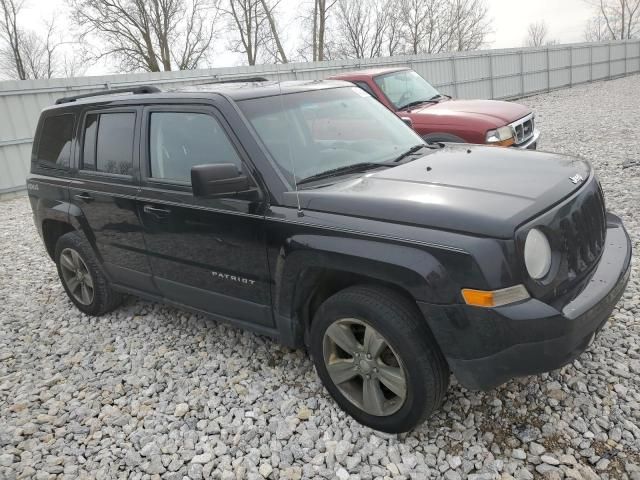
(181, 140)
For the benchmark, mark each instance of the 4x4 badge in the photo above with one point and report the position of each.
(577, 178)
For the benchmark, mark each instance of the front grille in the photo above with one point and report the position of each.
(577, 231)
(583, 233)
(523, 129)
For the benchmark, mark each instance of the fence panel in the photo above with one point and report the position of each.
(498, 74)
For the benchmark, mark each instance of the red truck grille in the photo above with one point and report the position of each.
(523, 128)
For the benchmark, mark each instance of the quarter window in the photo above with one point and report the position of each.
(108, 142)
(180, 140)
(55, 141)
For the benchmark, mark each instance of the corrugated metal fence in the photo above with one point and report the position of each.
(503, 74)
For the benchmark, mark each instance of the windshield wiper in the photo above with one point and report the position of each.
(417, 102)
(356, 167)
(411, 151)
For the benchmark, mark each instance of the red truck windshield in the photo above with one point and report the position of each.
(312, 132)
(405, 87)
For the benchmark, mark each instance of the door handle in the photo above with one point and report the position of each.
(85, 197)
(150, 209)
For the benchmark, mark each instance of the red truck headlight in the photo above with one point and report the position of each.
(503, 136)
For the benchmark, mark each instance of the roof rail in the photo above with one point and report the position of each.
(236, 80)
(134, 90)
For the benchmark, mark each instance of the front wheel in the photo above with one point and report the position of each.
(377, 358)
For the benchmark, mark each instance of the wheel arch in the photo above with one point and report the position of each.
(305, 277)
(443, 137)
(52, 230)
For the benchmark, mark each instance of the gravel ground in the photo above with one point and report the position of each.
(152, 392)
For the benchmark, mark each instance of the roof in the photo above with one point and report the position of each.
(369, 72)
(242, 91)
(234, 90)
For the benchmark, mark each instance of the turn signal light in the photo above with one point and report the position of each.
(494, 298)
(503, 143)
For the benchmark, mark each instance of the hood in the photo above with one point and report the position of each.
(480, 190)
(495, 113)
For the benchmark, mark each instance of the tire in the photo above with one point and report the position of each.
(443, 138)
(74, 252)
(411, 352)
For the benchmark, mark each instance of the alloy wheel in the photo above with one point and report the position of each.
(76, 276)
(364, 367)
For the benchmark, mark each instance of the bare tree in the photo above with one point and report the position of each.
(394, 38)
(469, 24)
(418, 17)
(321, 12)
(433, 26)
(11, 35)
(619, 18)
(361, 28)
(150, 35)
(269, 12)
(596, 30)
(388, 27)
(315, 25)
(536, 34)
(30, 54)
(248, 21)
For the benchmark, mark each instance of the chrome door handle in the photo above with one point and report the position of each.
(150, 209)
(85, 197)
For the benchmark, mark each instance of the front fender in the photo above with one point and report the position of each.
(410, 268)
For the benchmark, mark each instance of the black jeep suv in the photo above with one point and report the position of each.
(308, 212)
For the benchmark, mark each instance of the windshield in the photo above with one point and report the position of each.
(313, 132)
(405, 87)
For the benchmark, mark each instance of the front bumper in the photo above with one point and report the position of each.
(487, 347)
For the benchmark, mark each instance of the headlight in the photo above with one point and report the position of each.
(537, 254)
(500, 136)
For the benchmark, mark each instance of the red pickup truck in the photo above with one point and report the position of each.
(439, 118)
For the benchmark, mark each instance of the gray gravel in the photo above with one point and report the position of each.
(152, 392)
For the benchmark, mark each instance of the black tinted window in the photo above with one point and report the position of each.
(180, 140)
(89, 150)
(111, 150)
(55, 140)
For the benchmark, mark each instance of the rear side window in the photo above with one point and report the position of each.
(54, 148)
(180, 140)
(108, 142)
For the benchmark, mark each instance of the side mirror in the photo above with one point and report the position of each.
(407, 120)
(217, 179)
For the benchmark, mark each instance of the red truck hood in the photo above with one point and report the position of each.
(493, 112)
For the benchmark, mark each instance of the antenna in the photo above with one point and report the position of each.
(293, 166)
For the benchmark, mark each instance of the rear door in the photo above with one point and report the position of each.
(206, 253)
(104, 191)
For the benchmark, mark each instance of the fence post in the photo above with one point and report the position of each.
(570, 66)
(591, 63)
(625, 57)
(609, 62)
(491, 92)
(522, 73)
(454, 75)
(548, 71)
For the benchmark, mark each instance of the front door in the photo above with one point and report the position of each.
(205, 253)
(104, 190)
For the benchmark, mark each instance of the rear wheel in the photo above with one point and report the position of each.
(377, 358)
(82, 278)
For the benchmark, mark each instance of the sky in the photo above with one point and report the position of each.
(565, 21)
